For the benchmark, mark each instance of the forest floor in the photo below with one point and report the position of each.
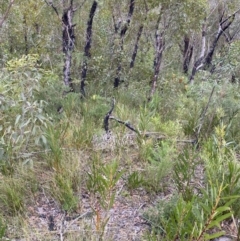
(46, 221)
(125, 222)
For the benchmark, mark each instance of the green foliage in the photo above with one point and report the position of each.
(201, 112)
(62, 189)
(34, 135)
(12, 197)
(23, 120)
(192, 219)
(65, 183)
(160, 163)
(221, 165)
(53, 141)
(184, 173)
(3, 228)
(102, 180)
(135, 180)
(101, 183)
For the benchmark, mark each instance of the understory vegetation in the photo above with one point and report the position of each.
(111, 105)
(186, 147)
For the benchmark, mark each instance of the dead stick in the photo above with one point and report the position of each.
(106, 119)
(124, 123)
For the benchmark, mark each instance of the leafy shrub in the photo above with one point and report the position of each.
(184, 173)
(23, 120)
(191, 220)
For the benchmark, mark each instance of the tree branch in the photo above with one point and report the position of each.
(127, 124)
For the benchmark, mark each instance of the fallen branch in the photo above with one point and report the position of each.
(158, 135)
(127, 124)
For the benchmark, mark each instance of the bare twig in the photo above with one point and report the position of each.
(127, 124)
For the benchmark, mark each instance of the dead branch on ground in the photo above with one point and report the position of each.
(157, 135)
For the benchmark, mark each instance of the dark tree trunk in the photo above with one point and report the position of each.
(87, 48)
(68, 41)
(25, 34)
(187, 54)
(136, 46)
(222, 27)
(122, 35)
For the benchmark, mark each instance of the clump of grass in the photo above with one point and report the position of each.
(62, 189)
(66, 182)
(135, 180)
(160, 163)
(12, 196)
(3, 228)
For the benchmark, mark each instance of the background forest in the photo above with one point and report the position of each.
(119, 120)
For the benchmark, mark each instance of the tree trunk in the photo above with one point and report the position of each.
(136, 46)
(159, 48)
(187, 54)
(87, 48)
(25, 34)
(122, 35)
(205, 59)
(68, 41)
(220, 31)
(199, 62)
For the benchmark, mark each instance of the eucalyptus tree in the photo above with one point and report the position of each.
(121, 27)
(217, 23)
(87, 47)
(68, 37)
(174, 21)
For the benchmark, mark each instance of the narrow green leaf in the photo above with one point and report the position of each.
(17, 119)
(214, 235)
(222, 209)
(206, 208)
(217, 221)
(231, 197)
